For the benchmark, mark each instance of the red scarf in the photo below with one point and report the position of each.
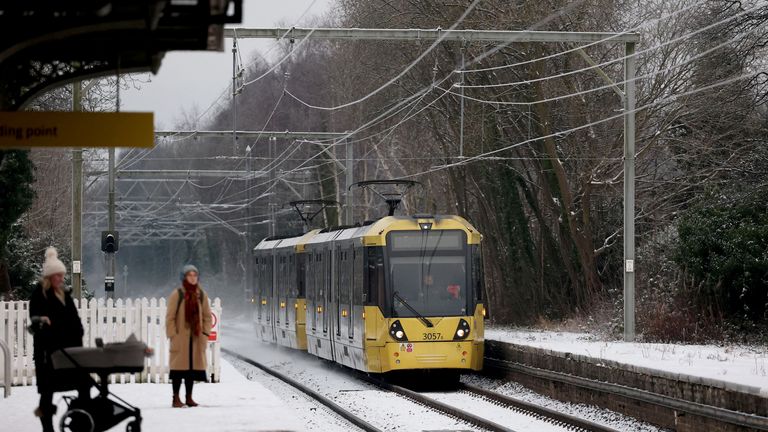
(192, 307)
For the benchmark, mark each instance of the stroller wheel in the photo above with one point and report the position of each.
(134, 426)
(76, 420)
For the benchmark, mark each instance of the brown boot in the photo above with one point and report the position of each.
(190, 402)
(177, 402)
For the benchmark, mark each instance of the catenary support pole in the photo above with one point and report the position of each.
(77, 203)
(629, 192)
(349, 202)
(247, 234)
(234, 95)
(273, 185)
(461, 101)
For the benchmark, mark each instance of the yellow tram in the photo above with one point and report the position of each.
(399, 293)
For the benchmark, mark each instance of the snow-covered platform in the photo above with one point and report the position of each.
(234, 404)
(673, 386)
(735, 367)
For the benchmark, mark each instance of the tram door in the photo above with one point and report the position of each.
(313, 288)
(324, 286)
(352, 289)
(338, 295)
(330, 280)
(257, 288)
(272, 296)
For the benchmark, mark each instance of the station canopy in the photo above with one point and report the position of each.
(46, 43)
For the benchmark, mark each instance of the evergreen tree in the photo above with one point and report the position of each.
(16, 195)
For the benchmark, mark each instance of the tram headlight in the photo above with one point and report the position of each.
(397, 332)
(462, 330)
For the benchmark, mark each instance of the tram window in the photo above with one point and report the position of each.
(357, 285)
(374, 280)
(477, 272)
(301, 265)
(435, 286)
(348, 275)
(402, 241)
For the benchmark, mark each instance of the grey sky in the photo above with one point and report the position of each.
(193, 80)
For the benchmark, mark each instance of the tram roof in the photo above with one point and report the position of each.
(373, 233)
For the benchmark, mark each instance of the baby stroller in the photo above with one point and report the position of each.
(100, 413)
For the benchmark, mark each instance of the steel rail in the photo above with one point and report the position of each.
(539, 410)
(716, 413)
(355, 420)
(437, 406)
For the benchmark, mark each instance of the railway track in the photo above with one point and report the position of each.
(333, 406)
(547, 414)
(473, 395)
(537, 412)
(724, 418)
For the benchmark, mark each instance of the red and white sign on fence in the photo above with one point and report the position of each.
(113, 321)
(214, 334)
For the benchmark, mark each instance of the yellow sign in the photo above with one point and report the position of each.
(76, 129)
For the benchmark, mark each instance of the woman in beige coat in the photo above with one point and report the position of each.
(187, 325)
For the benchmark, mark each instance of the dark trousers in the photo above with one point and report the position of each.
(46, 411)
(189, 383)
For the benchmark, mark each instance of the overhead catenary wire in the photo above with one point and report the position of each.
(612, 61)
(225, 92)
(572, 50)
(491, 101)
(678, 11)
(336, 144)
(395, 108)
(471, 159)
(394, 79)
(608, 86)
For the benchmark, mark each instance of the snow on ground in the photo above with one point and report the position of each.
(588, 412)
(496, 413)
(743, 365)
(234, 404)
(383, 409)
(392, 412)
(311, 413)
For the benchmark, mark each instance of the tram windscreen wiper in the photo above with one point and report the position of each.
(423, 319)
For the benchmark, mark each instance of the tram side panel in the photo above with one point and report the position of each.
(268, 291)
(263, 312)
(319, 271)
(290, 328)
(281, 269)
(348, 314)
(299, 302)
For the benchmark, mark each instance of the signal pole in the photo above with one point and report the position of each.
(77, 204)
(109, 279)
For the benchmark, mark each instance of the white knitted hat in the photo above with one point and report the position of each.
(53, 264)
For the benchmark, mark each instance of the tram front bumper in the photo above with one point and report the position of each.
(466, 354)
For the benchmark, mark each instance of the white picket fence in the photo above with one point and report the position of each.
(113, 321)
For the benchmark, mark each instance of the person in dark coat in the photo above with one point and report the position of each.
(187, 324)
(60, 327)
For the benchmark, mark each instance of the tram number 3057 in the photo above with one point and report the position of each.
(432, 336)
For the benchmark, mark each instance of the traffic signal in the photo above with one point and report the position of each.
(109, 241)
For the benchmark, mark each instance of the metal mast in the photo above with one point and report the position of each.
(77, 203)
